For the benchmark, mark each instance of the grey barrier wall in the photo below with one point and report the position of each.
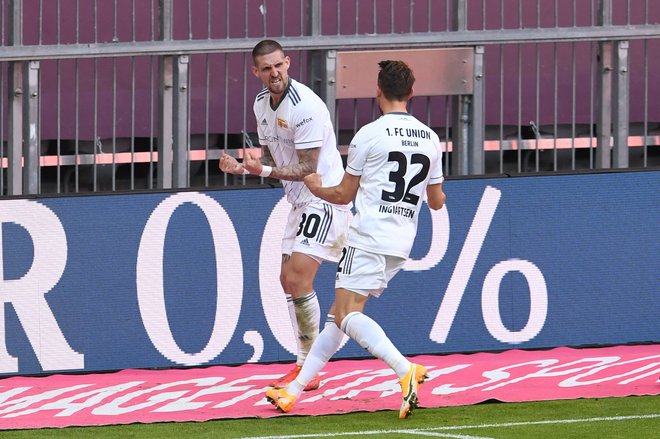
(140, 94)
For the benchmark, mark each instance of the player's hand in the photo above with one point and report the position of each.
(252, 164)
(313, 182)
(230, 165)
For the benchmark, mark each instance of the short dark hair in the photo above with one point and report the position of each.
(395, 80)
(265, 47)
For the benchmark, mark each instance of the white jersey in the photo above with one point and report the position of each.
(396, 156)
(300, 121)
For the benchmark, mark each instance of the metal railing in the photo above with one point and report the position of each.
(127, 94)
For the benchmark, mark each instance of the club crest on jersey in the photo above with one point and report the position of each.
(282, 123)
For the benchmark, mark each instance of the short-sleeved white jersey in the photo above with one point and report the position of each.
(396, 157)
(300, 121)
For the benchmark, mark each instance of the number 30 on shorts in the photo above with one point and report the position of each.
(309, 225)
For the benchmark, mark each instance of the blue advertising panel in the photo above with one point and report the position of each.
(173, 279)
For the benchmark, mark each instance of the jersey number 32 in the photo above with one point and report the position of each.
(401, 187)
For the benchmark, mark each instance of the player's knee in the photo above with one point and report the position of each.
(293, 284)
(295, 287)
(298, 285)
(297, 281)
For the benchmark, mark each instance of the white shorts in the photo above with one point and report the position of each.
(366, 273)
(318, 230)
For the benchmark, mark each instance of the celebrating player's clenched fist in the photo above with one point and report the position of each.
(252, 163)
(313, 182)
(230, 165)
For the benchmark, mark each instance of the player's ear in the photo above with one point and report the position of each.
(255, 71)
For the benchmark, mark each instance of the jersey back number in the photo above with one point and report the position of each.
(402, 188)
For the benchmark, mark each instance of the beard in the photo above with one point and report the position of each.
(277, 87)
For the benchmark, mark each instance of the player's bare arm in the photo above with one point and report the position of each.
(343, 193)
(435, 197)
(307, 161)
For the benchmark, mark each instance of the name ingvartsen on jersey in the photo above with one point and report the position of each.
(397, 210)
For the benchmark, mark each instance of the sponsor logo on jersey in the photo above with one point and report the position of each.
(282, 123)
(278, 139)
(264, 122)
(305, 242)
(303, 122)
(352, 145)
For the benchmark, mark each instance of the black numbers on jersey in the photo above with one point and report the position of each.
(309, 225)
(340, 264)
(401, 191)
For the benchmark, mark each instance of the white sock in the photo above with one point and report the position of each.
(324, 347)
(308, 314)
(294, 323)
(371, 336)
